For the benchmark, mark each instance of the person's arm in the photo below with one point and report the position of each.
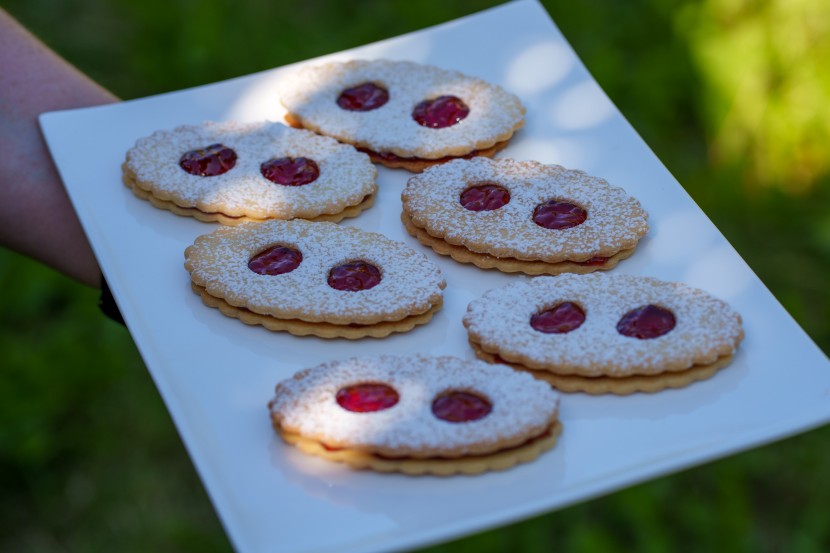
(36, 217)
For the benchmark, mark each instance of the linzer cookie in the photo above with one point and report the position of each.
(522, 216)
(403, 114)
(604, 333)
(314, 278)
(417, 414)
(233, 173)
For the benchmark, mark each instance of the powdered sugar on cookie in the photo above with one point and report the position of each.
(346, 177)
(522, 407)
(410, 283)
(311, 97)
(706, 328)
(615, 221)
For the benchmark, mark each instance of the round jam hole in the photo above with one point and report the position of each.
(460, 406)
(290, 171)
(367, 397)
(485, 197)
(211, 161)
(363, 97)
(276, 260)
(440, 112)
(556, 215)
(561, 319)
(648, 321)
(354, 276)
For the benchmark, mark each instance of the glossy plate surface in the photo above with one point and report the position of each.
(216, 375)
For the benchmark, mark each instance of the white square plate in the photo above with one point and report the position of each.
(216, 375)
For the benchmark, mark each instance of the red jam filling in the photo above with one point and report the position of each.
(363, 97)
(276, 260)
(648, 321)
(354, 276)
(596, 260)
(389, 156)
(213, 160)
(561, 319)
(485, 197)
(460, 406)
(290, 171)
(541, 436)
(367, 398)
(440, 112)
(556, 215)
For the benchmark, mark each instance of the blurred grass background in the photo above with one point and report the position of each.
(733, 96)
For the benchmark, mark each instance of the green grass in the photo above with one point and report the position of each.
(89, 459)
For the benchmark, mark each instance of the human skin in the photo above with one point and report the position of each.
(36, 216)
